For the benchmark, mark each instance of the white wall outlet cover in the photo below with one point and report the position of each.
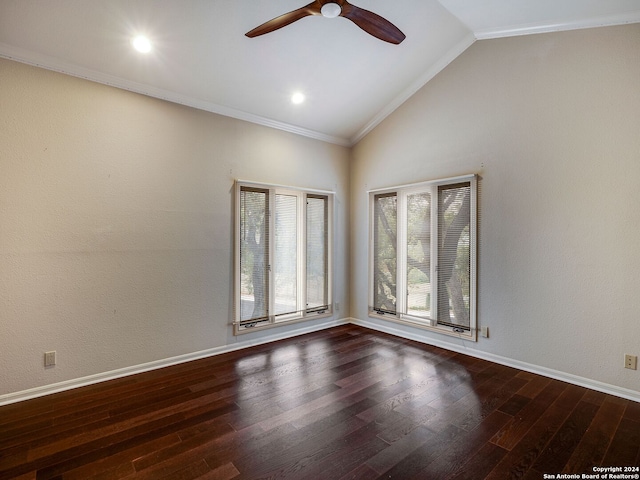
(49, 359)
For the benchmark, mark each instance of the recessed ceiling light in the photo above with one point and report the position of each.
(297, 98)
(141, 44)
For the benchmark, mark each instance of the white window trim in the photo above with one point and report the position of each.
(405, 319)
(302, 314)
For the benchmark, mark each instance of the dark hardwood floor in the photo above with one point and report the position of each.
(342, 403)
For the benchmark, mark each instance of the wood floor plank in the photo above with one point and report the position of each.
(480, 464)
(488, 402)
(399, 450)
(454, 456)
(632, 411)
(595, 442)
(342, 403)
(190, 472)
(27, 476)
(335, 412)
(254, 447)
(624, 448)
(176, 449)
(534, 386)
(294, 455)
(345, 454)
(223, 472)
(513, 432)
(120, 464)
(455, 409)
(65, 457)
(397, 426)
(514, 404)
(362, 472)
(409, 391)
(522, 456)
(563, 444)
(227, 448)
(422, 456)
(445, 392)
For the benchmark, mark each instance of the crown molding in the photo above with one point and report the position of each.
(57, 65)
(530, 29)
(50, 63)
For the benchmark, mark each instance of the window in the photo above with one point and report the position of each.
(423, 258)
(283, 251)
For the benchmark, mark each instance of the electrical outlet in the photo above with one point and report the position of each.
(631, 362)
(49, 359)
(484, 331)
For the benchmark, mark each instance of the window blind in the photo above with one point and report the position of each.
(317, 230)
(385, 252)
(286, 254)
(254, 255)
(418, 250)
(454, 254)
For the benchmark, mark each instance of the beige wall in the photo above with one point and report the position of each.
(551, 123)
(116, 217)
(116, 223)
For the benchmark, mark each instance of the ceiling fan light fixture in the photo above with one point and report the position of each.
(331, 10)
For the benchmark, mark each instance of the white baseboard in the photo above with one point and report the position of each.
(509, 362)
(20, 396)
(390, 329)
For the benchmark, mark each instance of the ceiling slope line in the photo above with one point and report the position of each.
(534, 28)
(431, 72)
(53, 64)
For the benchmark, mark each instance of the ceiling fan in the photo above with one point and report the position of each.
(368, 21)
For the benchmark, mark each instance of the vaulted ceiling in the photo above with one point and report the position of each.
(200, 56)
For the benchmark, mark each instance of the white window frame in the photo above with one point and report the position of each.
(302, 313)
(430, 323)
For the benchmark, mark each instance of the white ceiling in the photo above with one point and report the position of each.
(202, 58)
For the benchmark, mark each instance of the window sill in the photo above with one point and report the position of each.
(470, 336)
(275, 324)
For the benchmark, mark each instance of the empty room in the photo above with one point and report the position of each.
(254, 239)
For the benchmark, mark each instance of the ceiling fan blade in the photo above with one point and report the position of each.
(372, 23)
(284, 20)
